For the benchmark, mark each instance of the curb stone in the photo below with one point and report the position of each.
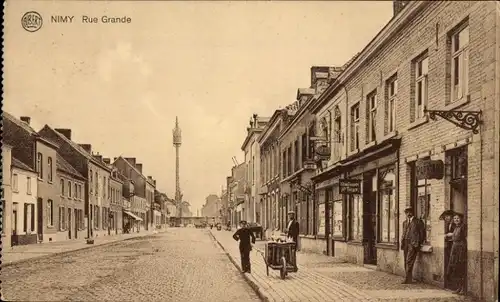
(248, 278)
(15, 262)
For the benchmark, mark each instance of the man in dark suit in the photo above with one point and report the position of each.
(293, 228)
(246, 238)
(449, 227)
(411, 241)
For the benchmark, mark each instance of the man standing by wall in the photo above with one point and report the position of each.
(413, 237)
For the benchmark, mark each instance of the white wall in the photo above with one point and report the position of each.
(21, 195)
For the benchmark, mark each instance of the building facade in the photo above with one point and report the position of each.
(270, 172)
(432, 60)
(71, 224)
(151, 211)
(38, 153)
(252, 160)
(236, 189)
(116, 202)
(212, 206)
(93, 169)
(24, 195)
(6, 195)
(132, 170)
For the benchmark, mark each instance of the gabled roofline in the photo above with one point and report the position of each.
(298, 116)
(135, 169)
(270, 125)
(251, 133)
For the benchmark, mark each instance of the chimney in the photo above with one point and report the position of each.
(150, 177)
(98, 157)
(139, 167)
(154, 182)
(131, 160)
(25, 119)
(398, 6)
(87, 147)
(107, 160)
(65, 132)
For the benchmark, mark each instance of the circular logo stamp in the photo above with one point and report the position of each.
(32, 21)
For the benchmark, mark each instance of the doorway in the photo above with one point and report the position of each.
(76, 222)
(14, 239)
(39, 220)
(70, 225)
(369, 219)
(457, 165)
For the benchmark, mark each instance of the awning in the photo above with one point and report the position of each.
(133, 216)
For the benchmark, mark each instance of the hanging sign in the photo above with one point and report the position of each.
(429, 169)
(350, 186)
(323, 152)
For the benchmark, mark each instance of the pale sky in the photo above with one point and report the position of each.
(212, 64)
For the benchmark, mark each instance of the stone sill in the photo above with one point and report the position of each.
(387, 246)
(418, 123)
(352, 242)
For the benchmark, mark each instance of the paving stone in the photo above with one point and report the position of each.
(180, 265)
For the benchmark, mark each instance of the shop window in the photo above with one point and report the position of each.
(337, 213)
(420, 67)
(356, 213)
(387, 205)
(420, 201)
(459, 40)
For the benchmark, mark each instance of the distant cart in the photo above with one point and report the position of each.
(281, 256)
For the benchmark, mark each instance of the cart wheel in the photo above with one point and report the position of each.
(283, 268)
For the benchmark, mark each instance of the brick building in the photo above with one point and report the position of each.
(72, 201)
(93, 169)
(115, 200)
(436, 56)
(272, 207)
(38, 153)
(252, 159)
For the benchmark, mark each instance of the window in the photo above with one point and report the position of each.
(32, 211)
(104, 216)
(69, 189)
(460, 63)
(75, 190)
(62, 219)
(355, 127)
(284, 162)
(25, 218)
(49, 167)
(421, 66)
(304, 147)
(50, 205)
(391, 90)
(371, 116)
(14, 182)
(39, 166)
(91, 183)
(387, 205)
(356, 209)
(296, 155)
(289, 160)
(104, 187)
(420, 200)
(61, 183)
(337, 133)
(96, 183)
(28, 185)
(337, 213)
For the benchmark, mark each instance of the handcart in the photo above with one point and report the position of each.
(281, 256)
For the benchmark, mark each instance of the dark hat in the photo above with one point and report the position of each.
(447, 213)
(243, 222)
(409, 210)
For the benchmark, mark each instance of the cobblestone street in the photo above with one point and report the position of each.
(182, 264)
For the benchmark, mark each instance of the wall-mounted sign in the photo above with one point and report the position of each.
(323, 152)
(350, 186)
(429, 169)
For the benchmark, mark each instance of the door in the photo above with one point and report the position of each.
(369, 219)
(70, 225)
(76, 222)
(39, 219)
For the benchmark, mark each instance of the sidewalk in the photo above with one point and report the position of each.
(323, 278)
(16, 254)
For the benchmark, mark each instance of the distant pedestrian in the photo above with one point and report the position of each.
(293, 228)
(246, 238)
(457, 266)
(413, 237)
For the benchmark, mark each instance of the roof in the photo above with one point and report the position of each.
(135, 169)
(18, 122)
(63, 165)
(20, 165)
(79, 149)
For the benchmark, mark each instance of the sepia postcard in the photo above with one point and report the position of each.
(195, 151)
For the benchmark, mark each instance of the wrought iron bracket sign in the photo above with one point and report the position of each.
(469, 120)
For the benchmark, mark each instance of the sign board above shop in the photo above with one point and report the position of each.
(350, 186)
(429, 169)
